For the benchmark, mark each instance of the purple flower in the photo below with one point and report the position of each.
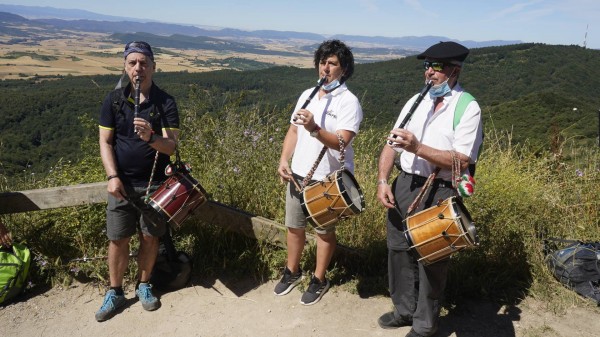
(579, 173)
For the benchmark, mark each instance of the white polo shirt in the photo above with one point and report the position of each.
(436, 130)
(337, 110)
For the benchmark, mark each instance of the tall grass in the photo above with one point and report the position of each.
(521, 197)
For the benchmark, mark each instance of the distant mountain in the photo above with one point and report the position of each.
(420, 42)
(74, 19)
(38, 12)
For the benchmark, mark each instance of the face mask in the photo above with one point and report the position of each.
(334, 84)
(439, 90)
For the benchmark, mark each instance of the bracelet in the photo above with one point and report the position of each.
(381, 182)
(113, 176)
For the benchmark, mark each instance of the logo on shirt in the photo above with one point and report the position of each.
(331, 114)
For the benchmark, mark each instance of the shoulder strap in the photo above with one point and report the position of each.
(463, 101)
(117, 102)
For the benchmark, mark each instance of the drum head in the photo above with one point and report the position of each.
(353, 190)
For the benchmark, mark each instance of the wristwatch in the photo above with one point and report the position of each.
(315, 131)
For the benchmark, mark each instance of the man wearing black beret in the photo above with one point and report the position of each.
(431, 145)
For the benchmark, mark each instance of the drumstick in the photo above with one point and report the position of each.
(296, 184)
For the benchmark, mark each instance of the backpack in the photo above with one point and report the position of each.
(172, 269)
(14, 269)
(577, 267)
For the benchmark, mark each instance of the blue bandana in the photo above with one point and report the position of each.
(138, 47)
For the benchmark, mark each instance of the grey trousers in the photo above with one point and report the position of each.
(416, 290)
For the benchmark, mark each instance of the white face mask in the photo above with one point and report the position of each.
(332, 85)
(439, 90)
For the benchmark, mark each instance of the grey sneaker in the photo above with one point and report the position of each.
(288, 282)
(109, 307)
(316, 290)
(144, 293)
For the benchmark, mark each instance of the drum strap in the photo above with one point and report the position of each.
(320, 157)
(431, 178)
(147, 197)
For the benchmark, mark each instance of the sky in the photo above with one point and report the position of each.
(565, 22)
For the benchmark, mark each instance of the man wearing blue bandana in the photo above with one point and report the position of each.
(135, 151)
(428, 141)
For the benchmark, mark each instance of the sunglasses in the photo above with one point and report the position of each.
(437, 66)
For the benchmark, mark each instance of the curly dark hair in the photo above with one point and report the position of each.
(343, 53)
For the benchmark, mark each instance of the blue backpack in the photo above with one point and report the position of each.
(14, 269)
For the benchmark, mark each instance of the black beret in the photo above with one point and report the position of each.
(445, 51)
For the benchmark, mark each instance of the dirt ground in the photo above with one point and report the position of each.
(214, 307)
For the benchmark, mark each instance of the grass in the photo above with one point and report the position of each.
(521, 196)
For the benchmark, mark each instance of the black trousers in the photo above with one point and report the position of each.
(416, 290)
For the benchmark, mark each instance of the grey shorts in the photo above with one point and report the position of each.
(294, 216)
(125, 217)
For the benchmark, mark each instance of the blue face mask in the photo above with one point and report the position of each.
(333, 85)
(439, 90)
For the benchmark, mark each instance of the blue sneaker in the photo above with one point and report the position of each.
(144, 293)
(109, 307)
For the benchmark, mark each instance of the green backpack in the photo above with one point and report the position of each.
(14, 268)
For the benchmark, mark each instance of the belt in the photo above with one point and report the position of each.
(420, 180)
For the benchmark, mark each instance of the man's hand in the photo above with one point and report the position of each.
(405, 140)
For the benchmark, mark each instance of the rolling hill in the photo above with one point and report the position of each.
(540, 93)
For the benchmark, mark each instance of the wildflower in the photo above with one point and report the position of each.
(579, 173)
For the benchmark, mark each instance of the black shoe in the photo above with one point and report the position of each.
(288, 282)
(390, 321)
(413, 333)
(316, 290)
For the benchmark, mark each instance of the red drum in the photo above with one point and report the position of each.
(336, 197)
(177, 198)
(439, 231)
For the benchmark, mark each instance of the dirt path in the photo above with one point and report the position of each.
(216, 308)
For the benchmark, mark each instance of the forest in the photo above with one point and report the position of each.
(541, 94)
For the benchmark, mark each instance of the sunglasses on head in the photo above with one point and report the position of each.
(437, 66)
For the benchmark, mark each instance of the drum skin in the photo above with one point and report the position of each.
(440, 231)
(332, 199)
(177, 198)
